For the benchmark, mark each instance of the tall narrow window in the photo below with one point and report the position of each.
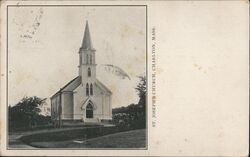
(87, 59)
(80, 59)
(91, 89)
(90, 59)
(87, 89)
(89, 72)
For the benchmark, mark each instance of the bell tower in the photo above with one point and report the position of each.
(87, 66)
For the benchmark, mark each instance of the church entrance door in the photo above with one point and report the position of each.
(89, 111)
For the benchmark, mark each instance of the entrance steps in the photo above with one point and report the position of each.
(91, 120)
(86, 122)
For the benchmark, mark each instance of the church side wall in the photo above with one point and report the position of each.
(67, 99)
(55, 107)
(102, 100)
(99, 101)
(110, 104)
(78, 98)
(107, 108)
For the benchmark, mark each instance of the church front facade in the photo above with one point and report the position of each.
(84, 98)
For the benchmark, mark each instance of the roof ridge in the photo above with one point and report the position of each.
(99, 82)
(64, 86)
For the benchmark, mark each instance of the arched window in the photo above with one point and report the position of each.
(91, 89)
(87, 61)
(89, 72)
(90, 59)
(87, 89)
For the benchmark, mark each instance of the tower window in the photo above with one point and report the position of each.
(87, 61)
(91, 89)
(87, 89)
(80, 59)
(89, 72)
(90, 59)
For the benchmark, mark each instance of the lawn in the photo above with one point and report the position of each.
(128, 139)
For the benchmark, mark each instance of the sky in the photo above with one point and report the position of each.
(44, 44)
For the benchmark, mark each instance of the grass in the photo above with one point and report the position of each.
(128, 139)
(68, 134)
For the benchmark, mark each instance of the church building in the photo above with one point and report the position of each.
(84, 98)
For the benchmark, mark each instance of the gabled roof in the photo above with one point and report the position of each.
(102, 86)
(89, 99)
(73, 84)
(70, 86)
(86, 42)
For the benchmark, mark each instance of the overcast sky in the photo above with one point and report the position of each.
(44, 44)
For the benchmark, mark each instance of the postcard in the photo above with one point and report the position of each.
(124, 78)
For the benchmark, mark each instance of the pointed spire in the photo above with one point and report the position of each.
(86, 43)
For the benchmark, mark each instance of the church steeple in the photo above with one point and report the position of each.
(86, 42)
(87, 66)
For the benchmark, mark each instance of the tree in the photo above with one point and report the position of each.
(25, 114)
(134, 115)
(141, 89)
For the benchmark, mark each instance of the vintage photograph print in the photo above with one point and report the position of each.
(77, 77)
